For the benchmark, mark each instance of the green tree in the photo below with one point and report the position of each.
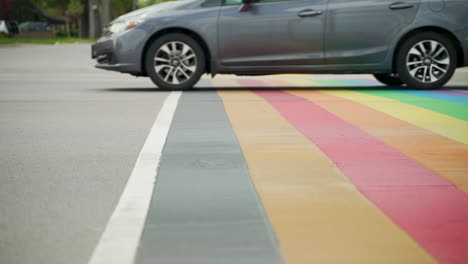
(89, 15)
(75, 8)
(145, 3)
(74, 11)
(120, 7)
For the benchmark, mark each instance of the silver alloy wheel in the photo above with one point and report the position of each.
(175, 62)
(428, 61)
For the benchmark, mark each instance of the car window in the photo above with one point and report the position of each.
(211, 3)
(233, 2)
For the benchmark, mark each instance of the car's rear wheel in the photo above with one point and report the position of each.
(426, 61)
(175, 62)
(389, 79)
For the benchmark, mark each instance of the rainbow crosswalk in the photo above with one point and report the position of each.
(399, 156)
(362, 175)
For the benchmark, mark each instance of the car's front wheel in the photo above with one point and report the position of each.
(175, 62)
(426, 61)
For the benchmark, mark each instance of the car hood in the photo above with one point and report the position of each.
(147, 11)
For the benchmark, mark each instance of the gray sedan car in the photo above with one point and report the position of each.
(419, 43)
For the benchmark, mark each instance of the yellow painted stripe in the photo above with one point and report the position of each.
(318, 215)
(444, 125)
(441, 124)
(446, 157)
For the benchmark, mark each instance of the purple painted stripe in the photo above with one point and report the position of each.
(450, 92)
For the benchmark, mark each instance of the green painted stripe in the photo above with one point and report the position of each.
(439, 106)
(453, 99)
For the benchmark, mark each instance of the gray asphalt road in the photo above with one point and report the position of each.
(69, 137)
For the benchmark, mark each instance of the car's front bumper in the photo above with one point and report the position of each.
(120, 53)
(119, 67)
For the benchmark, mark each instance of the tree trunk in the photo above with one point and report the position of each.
(68, 27)
(84, 27)
(134, 4)
(79, 24)
(105, 12)
(92, 19)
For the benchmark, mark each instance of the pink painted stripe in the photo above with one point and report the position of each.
(450, 92)
(427, 207)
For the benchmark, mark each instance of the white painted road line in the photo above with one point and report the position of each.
(119, 242)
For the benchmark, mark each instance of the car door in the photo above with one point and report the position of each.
(272, 33)
(362, 32)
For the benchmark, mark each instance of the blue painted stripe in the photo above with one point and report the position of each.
(459, 100)
(365, 83)
(452, 92)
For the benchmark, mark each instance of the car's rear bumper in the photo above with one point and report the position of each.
(465, 51)
(463, 38)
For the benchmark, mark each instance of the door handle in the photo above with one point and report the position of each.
(400, 6)
(309, 13)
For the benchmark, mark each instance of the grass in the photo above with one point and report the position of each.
(44, 41)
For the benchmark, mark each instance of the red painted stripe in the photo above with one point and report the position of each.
(427, 207)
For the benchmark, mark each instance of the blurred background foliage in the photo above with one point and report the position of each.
(144, 3)
(72, 18)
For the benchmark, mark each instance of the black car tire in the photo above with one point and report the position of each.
(200, 63)
(404, 52)
(388, 79)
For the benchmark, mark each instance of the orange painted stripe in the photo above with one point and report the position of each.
(442, 155)
(317, 214)
(429, 208)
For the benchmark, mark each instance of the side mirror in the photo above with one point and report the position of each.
(246, 5)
